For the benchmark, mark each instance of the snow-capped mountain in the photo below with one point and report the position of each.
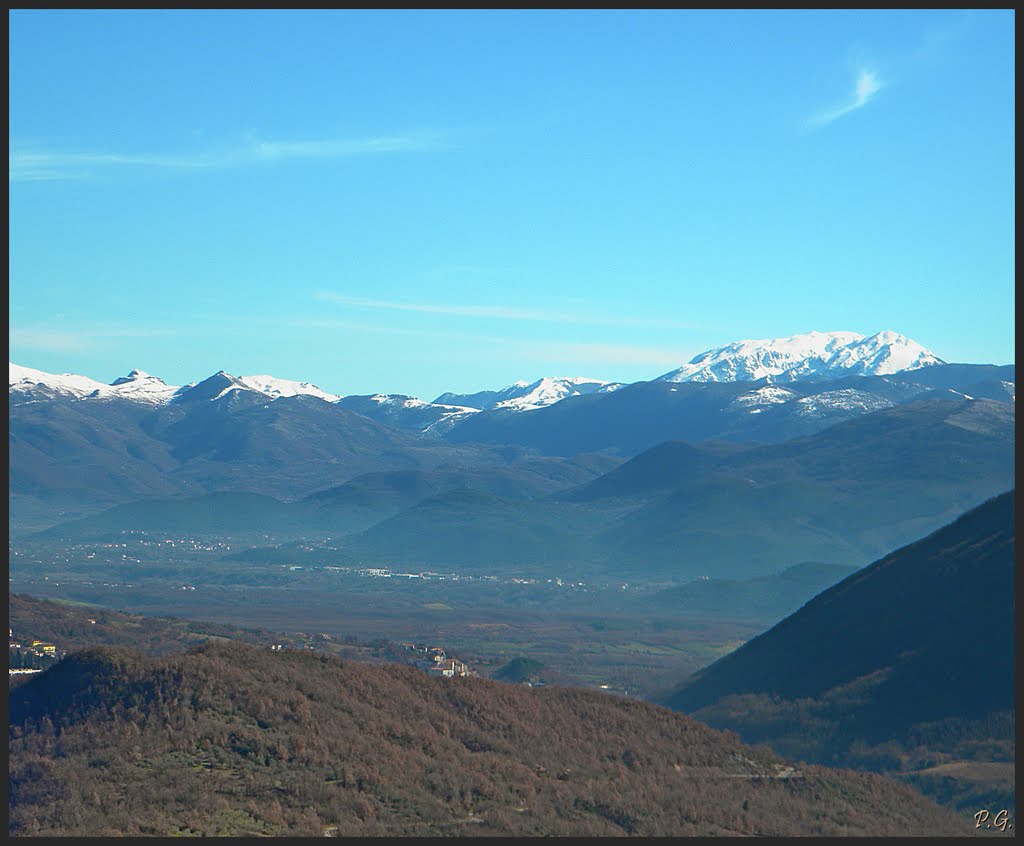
(140, 386)
(881, 354)
(408, 413)
(137, 385)
(274, 387)
(26, 379)
(221, 384)
(811, 355)
(527, 396)
(552, 389)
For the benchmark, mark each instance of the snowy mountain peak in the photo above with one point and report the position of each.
(211, 388)
(274, 387)
(136, 375)
(810, 355)
(522, 396)
(26, 379)
(882, 353)
(137, 385)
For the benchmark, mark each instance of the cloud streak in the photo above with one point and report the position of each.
(58, 340)
(557, 354)
(30, 165)
(506, 313)
(867, 85)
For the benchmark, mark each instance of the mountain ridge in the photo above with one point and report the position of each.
(810, 355)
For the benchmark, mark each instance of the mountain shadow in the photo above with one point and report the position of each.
(906, 665)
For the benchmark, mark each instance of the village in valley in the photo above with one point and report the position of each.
(31, 655)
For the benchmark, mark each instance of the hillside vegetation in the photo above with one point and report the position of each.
(237, 740)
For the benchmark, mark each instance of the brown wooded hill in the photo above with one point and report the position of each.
(235, 739)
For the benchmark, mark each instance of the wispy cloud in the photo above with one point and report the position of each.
(556, 353)
(28, 165)
(867, 85)
(597, 355)
(75, 340)
(507, 313)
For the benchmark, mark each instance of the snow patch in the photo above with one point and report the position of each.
(844, 399)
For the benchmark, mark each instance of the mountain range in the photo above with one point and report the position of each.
(808, 356)
(842, 495)
(767, 390)
(729, 479)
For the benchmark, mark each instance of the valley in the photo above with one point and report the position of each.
(588, 634)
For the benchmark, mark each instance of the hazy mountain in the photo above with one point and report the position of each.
(532, 478)
(766, 598)
(846, 495)
(217, 435)
(641, 415)
(408, 413)
(353, 506)
(78, 445)
(222, 513)
(658, 470)
(486, 533)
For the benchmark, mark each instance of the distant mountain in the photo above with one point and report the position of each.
(26, 383)
(913, 655)
(768, 390)
(217, 435)
(526, 478)
(812, 355)
(408, 414)
(476, 530)
(639, 416)
(274, 387)
(77, 444)
(223, 513)
(354, 506)
(766, 598)
(527, 396)
(137, 385)
(845, 494)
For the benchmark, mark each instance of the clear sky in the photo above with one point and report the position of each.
(420, 201)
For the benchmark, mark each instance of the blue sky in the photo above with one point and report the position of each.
(421, 201)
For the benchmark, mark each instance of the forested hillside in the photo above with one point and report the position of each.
(238, 740)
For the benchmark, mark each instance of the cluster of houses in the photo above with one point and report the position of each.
(436, 663)
(31, 656)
